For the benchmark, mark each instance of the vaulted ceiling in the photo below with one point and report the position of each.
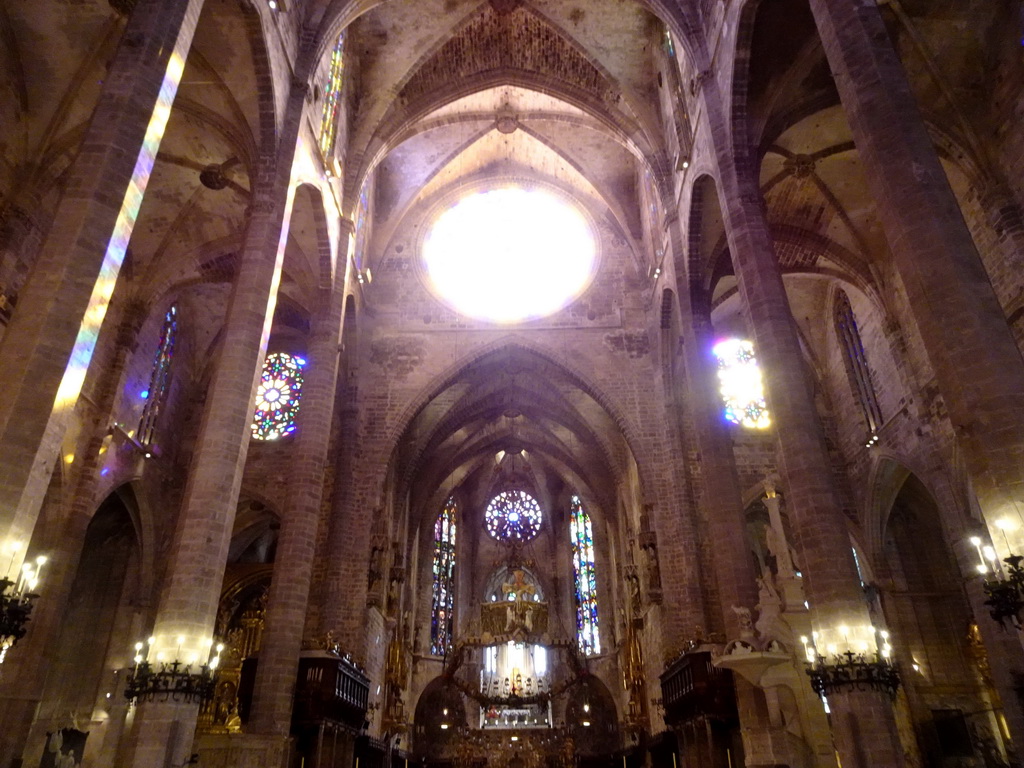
(446, 91)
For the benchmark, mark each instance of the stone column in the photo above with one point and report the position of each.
(25, 669)
(721, 502)
(863, 722)
(188, 606)
(977, 364)
(721, 496)
(343, 611)
(1006, 218)
(296, 547)
(52, 342)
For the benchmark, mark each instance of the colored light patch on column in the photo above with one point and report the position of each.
(85, 343)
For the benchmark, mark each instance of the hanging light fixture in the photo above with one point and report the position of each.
(851, 665)
(1004, 588)
(16, 601)
(172, 680)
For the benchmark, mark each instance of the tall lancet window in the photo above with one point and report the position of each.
(586, 578)
(444, 580)
(160, 378)
(856, 362)
(332, 97)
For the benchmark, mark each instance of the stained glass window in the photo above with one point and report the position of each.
(444, 580)
(332, 97)
(513, 515)
(856, 562)
(277, 397)
(856, 362)
(159, 378)
(740, 384)
(585, 574)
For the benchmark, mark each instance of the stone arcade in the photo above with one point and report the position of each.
(511, 383)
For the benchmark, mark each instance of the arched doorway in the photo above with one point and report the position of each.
(952, 706)
(83, 681)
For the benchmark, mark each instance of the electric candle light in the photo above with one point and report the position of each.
(1004, 525)
(854, 666)
(14, 547)
(17, 596)
(184, 676)
(982, 567)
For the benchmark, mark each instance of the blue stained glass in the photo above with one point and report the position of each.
(443, 603)
(277, 397)
(585, 573)
(513, 515)
(159, 379)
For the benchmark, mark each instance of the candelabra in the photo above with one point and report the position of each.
(852, 670)
(1005, 592)
(1004, 589)
(16, 601)
(172, 680)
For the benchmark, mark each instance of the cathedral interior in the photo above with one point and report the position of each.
(511, 383)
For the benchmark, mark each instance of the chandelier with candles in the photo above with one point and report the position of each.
(181, 679)
(17, 597)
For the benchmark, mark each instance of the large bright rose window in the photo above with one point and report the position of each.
(510, 254)
(513, 515)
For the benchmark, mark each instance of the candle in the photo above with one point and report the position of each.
(40, 562)
(26, 577)
(1005, 525)
(15, 546)
(982, 568)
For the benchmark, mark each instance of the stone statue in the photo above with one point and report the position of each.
(745, 621)
(770, 624)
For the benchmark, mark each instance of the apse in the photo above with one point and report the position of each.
(511, 469)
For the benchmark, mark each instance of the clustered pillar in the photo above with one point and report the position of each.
(79, 260)
(293, 570)
(978, 366)
(977, 363)
(188, 607)
(25, 672)
(81, 255)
